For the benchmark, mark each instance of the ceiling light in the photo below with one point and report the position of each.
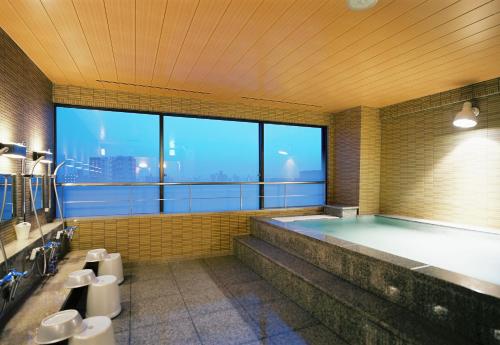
(13, 150)
(361, 5)
(282, 152)
(467, 117)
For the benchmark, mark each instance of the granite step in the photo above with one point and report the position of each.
(356, 315)
(460, 304)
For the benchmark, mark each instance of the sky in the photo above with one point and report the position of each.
(195, 148)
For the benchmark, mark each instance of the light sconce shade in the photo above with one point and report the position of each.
(13, 150)
(361, 5)
(46, 156)
(467, 117)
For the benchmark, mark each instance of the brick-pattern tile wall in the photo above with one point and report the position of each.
(357, 158)
(346, 147)
(173, 236)
(26, 114)
(369, 171)
(431, 169)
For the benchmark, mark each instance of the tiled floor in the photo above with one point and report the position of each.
(213, 301)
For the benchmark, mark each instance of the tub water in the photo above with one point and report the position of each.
(469, 252)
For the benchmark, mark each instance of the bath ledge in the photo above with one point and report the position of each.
(343, 206)
(495, 231)
(46, 299)
(17, 246)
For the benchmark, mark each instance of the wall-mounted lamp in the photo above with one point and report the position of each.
(13, 150)
(44, 156)
(467, 117)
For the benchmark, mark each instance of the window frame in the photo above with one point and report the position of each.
(324, 142)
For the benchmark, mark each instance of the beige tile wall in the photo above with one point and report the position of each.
(173, 236)
(369, 170)
(431, 169)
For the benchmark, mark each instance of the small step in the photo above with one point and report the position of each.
(358, 316)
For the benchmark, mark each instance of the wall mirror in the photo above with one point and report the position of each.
(7, 197)
(38, 190)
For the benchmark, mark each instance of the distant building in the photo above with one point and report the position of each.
(116, 169)
(123, 168)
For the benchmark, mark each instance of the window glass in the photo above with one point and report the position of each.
(205, 150)
(108, 146)
(293, 153)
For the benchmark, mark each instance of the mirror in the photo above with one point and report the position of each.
(37, 183)
(7, 197)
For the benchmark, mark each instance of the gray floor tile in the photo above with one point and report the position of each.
(179, 332)
(157, 310)
(256, 292)
(223, 262)
(153, 288)
(265, 341)
(236, 275)
(315, 335)
(125, 291)
(198, 286)
(121, 323)
(209, 302)
(122, 338)
(279, 317)
(187, 277)
(225, 327)
(150, 272)
(187, 267)
(156, 299)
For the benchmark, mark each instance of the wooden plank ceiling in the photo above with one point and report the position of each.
(314, 53)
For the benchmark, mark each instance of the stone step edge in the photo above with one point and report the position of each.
(264, 248)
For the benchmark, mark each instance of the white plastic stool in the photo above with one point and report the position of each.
(103, 297)
(98, 331)
(112, 265)
(96, 255)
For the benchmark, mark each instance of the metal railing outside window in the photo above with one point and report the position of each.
(122, 198)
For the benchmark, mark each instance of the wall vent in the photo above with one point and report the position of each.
(283, 102)
(153, 87)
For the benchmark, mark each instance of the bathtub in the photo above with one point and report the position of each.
(473, 253)
(447, 274)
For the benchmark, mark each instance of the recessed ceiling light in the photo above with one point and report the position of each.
(361, 5)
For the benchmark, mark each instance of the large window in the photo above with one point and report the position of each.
(202, 150)
(202, 165)
(107, 146)
(291, 154)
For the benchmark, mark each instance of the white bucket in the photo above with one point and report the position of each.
(23, 231)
